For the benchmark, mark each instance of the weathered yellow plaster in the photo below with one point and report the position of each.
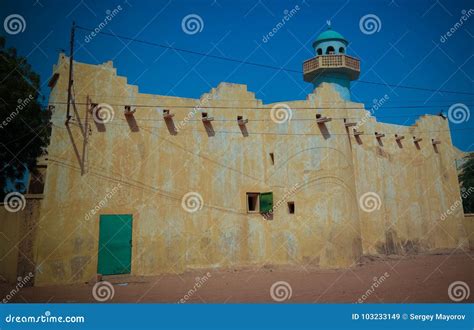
(150, 170)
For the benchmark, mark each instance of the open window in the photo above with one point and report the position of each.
(260, 202)
(330, 50)
(252, 202)
(319, 51)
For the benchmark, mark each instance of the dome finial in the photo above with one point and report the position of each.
(328, 22)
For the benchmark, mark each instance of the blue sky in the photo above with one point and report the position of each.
(406, 50)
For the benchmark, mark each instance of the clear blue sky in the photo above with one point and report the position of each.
(406, 50)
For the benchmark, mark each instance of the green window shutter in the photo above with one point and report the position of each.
(266, 202)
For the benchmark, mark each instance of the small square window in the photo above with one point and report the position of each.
(252, 202)
(291, 207)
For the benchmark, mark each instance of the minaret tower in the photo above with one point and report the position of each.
(331, 64)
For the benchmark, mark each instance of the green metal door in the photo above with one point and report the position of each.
(115, 244)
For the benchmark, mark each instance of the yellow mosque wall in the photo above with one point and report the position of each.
(139, 166)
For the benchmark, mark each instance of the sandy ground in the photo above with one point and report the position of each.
(421, 278)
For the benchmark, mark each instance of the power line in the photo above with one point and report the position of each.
(145, 95)
(335, 107)
(229, 59)
(276, 133)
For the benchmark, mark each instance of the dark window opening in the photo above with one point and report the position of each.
(330, 50)
(37, 179)
(341, 50)
(252, 202)
(319, 51)
(291, 207)
(272, 158)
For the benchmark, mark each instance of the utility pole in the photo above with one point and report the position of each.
(71, 61)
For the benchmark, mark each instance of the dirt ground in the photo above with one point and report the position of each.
(421, 278)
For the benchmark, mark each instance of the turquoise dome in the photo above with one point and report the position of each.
(329, 34)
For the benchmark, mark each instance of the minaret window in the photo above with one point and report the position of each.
(330, 50)
(320, 51)
(341, 50)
